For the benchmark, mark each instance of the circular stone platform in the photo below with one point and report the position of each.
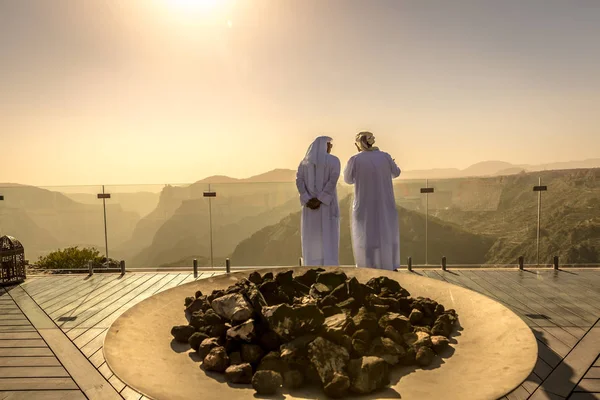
(493, 350)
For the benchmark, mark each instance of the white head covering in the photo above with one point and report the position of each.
(315, 159)
(368, 137)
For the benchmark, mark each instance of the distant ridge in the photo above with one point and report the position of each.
(481, 169)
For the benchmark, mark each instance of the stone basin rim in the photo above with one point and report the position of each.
(163, 373)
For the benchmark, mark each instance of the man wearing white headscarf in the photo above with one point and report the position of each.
(374, 223)
(316, 180)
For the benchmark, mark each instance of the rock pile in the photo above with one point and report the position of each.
(320, 328)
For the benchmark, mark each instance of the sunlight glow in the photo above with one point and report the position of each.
(194, 5)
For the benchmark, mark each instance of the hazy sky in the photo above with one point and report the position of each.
(156, 91)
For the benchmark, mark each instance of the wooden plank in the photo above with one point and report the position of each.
(97, 314)
(542, 369)
(534, 303)
(92, 307)
(563, 335)
(87, 337)
(97, 359)
(95, 344)
(33, 372)
(19, 335)
(518, 394)
(26, 352)
(107, 322)
(560, 302)
(29, 362)
(584, 396)
(81, 291)
(593, 373)
(59, 291)
(20, 328)
(597, 363)
(15, 323)
(588, 385)
(117, 383)
(95, 297)
(532, 383)
(565, 376)
(82, 295)
(170, 278)
(105, 371)
(43, 395)
(37, 384)
(130, 394)
(174, 283)
(541, 394)
(81, 370)
(22, 343)
(75, 333)
(553, 343)
(13, 317)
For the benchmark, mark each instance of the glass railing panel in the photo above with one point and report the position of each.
(569, 216)
(255, 224)
(158, 226)
(465, 220)
(412, 219)
(54, 218)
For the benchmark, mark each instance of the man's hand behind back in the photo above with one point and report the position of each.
(313, 204)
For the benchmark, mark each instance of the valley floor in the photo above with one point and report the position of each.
(52, 329)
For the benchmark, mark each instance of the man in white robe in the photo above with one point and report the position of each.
(316, 181)
(374, 222)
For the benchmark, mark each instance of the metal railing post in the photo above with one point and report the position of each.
(299, 261)
(444, 263)
(227, 265)
(91, 268)
(409, 266)
(521, 262)
(122, 263)
(555, 262)
(195, 268)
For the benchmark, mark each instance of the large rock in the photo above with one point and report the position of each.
(292, 322)
(293, 379)
(337, 326)
(233, 307)
(338, 386)
(272, 362)
(387, 349)
(309, 277)
(391, 333)
(266, 383)
(365, 320)
(417, 340)
(182, 333)
(255, 278)
(368, 374)
(196, 339)
(216, 360)
(425, 356)
(319, 291)
(245, 332)
(332, 279)
(206, 346)
(241, 374)
(397, 321)
(256, 298)
(328, 359)
(199, 304)
(415, 316)
(295, 353)
(443, 326)
(251, 353)
(383, 284)
(439, 343)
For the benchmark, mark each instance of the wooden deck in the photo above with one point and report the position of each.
(52, 329)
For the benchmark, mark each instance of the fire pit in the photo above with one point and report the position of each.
(303, 333)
